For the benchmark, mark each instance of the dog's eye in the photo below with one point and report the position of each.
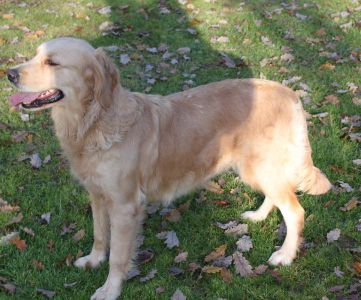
(50, 62)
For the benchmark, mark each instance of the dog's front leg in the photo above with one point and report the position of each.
(100, 248)
(125, 214)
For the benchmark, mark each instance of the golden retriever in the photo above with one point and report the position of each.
(128, 148)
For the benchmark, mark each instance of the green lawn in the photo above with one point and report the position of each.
(323, 49)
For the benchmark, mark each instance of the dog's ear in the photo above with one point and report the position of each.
(106, 78)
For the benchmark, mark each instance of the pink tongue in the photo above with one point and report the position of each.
(18, 98)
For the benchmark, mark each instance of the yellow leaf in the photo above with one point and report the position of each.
(211, 269)
(8, 16)
(327, 66)
(194, 22)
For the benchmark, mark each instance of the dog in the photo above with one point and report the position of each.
(129, 148)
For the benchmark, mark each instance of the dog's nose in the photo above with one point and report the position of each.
(13, 75)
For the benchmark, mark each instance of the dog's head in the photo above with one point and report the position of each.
(64, 71)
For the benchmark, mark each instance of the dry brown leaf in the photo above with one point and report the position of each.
(214, 187)
(38, 264)
(79, 235)
(331, 99)
(173, 216)
(357, 267)
(20, 244)
(218, 252)
(226, 275)
(321, 32)
(327, 66)
(193, 22)
(350, 204)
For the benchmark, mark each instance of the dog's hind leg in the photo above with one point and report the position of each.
(100, 248)
(293, 214)
(261, 213)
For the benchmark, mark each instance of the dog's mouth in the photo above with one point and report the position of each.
(37, 99)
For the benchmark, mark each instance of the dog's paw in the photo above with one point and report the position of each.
(89, 261)
(253, 216)
(106, 293)
(281, 257)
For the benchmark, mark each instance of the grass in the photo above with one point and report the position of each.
(52, 188)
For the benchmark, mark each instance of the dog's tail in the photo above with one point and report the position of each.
(314, 182)
(310, 179)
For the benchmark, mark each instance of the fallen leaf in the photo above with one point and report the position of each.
(46, 217)
(238, 230)
(9, 288)
(227, 61)
(170, 237)
(35, 161)
(5, 240)
(16, 219)
(338, 272)
(144, 256)
(218, 252)
(265, 40)
(211, 269)
(333, 235)
(133, 272)
(214, 187)
(79, 235)
(105, 10)
(228, 225)
(331, 99)
(350, 204)
(50, 245)
(38, 264)
(70, 285)
(181, 257)
(28, 231)
(193, 267)
(173, 216)
(20, 244)
(357, 266)
(178, 295)
(46, 293)
(223, 261)
(124, 59)
(327, 66)
(244, 244)
(149, 276)
(159, 290)
(68, 228)
(8, 16)
(336, 288)
(344, 186)
(357, 162)
(175, 271)
(287, 57)
(243, 267)
(260, 269)
(226, 275)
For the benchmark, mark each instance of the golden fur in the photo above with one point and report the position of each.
(126, 148)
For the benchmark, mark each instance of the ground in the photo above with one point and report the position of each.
(313, 47)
